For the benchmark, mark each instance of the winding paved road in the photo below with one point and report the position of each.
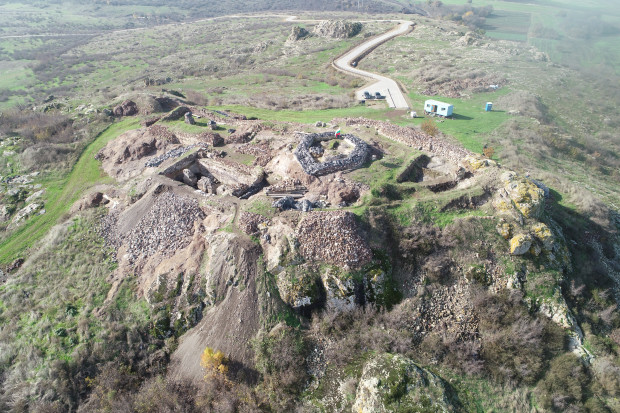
(384, 85)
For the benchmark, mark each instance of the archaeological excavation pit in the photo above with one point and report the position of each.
(433, 173)
(214, 175)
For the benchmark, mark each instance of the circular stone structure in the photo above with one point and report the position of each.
(311, 166)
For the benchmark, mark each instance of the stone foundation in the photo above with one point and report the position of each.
(312, 167)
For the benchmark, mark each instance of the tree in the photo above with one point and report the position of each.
(214, 362)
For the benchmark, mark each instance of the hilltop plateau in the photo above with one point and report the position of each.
(197, 213)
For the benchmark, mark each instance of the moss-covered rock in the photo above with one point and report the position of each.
(393, 383)
(505, 229)
(479, 162)
(520, 244)
(524, 195)
(298, 286)
(544, 235)
(340, 292)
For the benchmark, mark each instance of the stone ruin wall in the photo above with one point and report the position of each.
(414, 138)
(312, 167)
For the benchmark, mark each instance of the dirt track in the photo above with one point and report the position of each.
(384, 85)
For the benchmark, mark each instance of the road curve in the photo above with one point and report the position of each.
(387, 87)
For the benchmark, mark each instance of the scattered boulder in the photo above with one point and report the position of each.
(26, 211)
(127, 108)
(520, 244)
(470, 39)
(304, 205)
(35, 195)
(189, 119)
(189, 178)
(337, 29)
(16, 194)
(206, 184)
(284, 203)
(394, 383)
(5, 213)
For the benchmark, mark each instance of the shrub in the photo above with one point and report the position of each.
(515, 345)
(278, 357)
(564, 384)
(429, 127)
(214, 362)
(488, 151)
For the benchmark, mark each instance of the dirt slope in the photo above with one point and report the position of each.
(233, 321)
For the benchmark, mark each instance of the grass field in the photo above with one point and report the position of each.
(508, 25)
(62, 193)
(470, 124)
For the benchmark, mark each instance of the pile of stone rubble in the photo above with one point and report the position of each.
(165, 228)
(333, 237)
(248, 222)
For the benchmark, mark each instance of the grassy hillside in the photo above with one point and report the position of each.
(62, 194)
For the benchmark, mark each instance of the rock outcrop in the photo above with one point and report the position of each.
(298, 33)
(393, 383)
(337, 29)
(520, 244)
(127, 108)
(523, 194)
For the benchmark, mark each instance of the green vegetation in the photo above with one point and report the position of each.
(54, 317)
(470, 123)
(67, 343)
(62, 193)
